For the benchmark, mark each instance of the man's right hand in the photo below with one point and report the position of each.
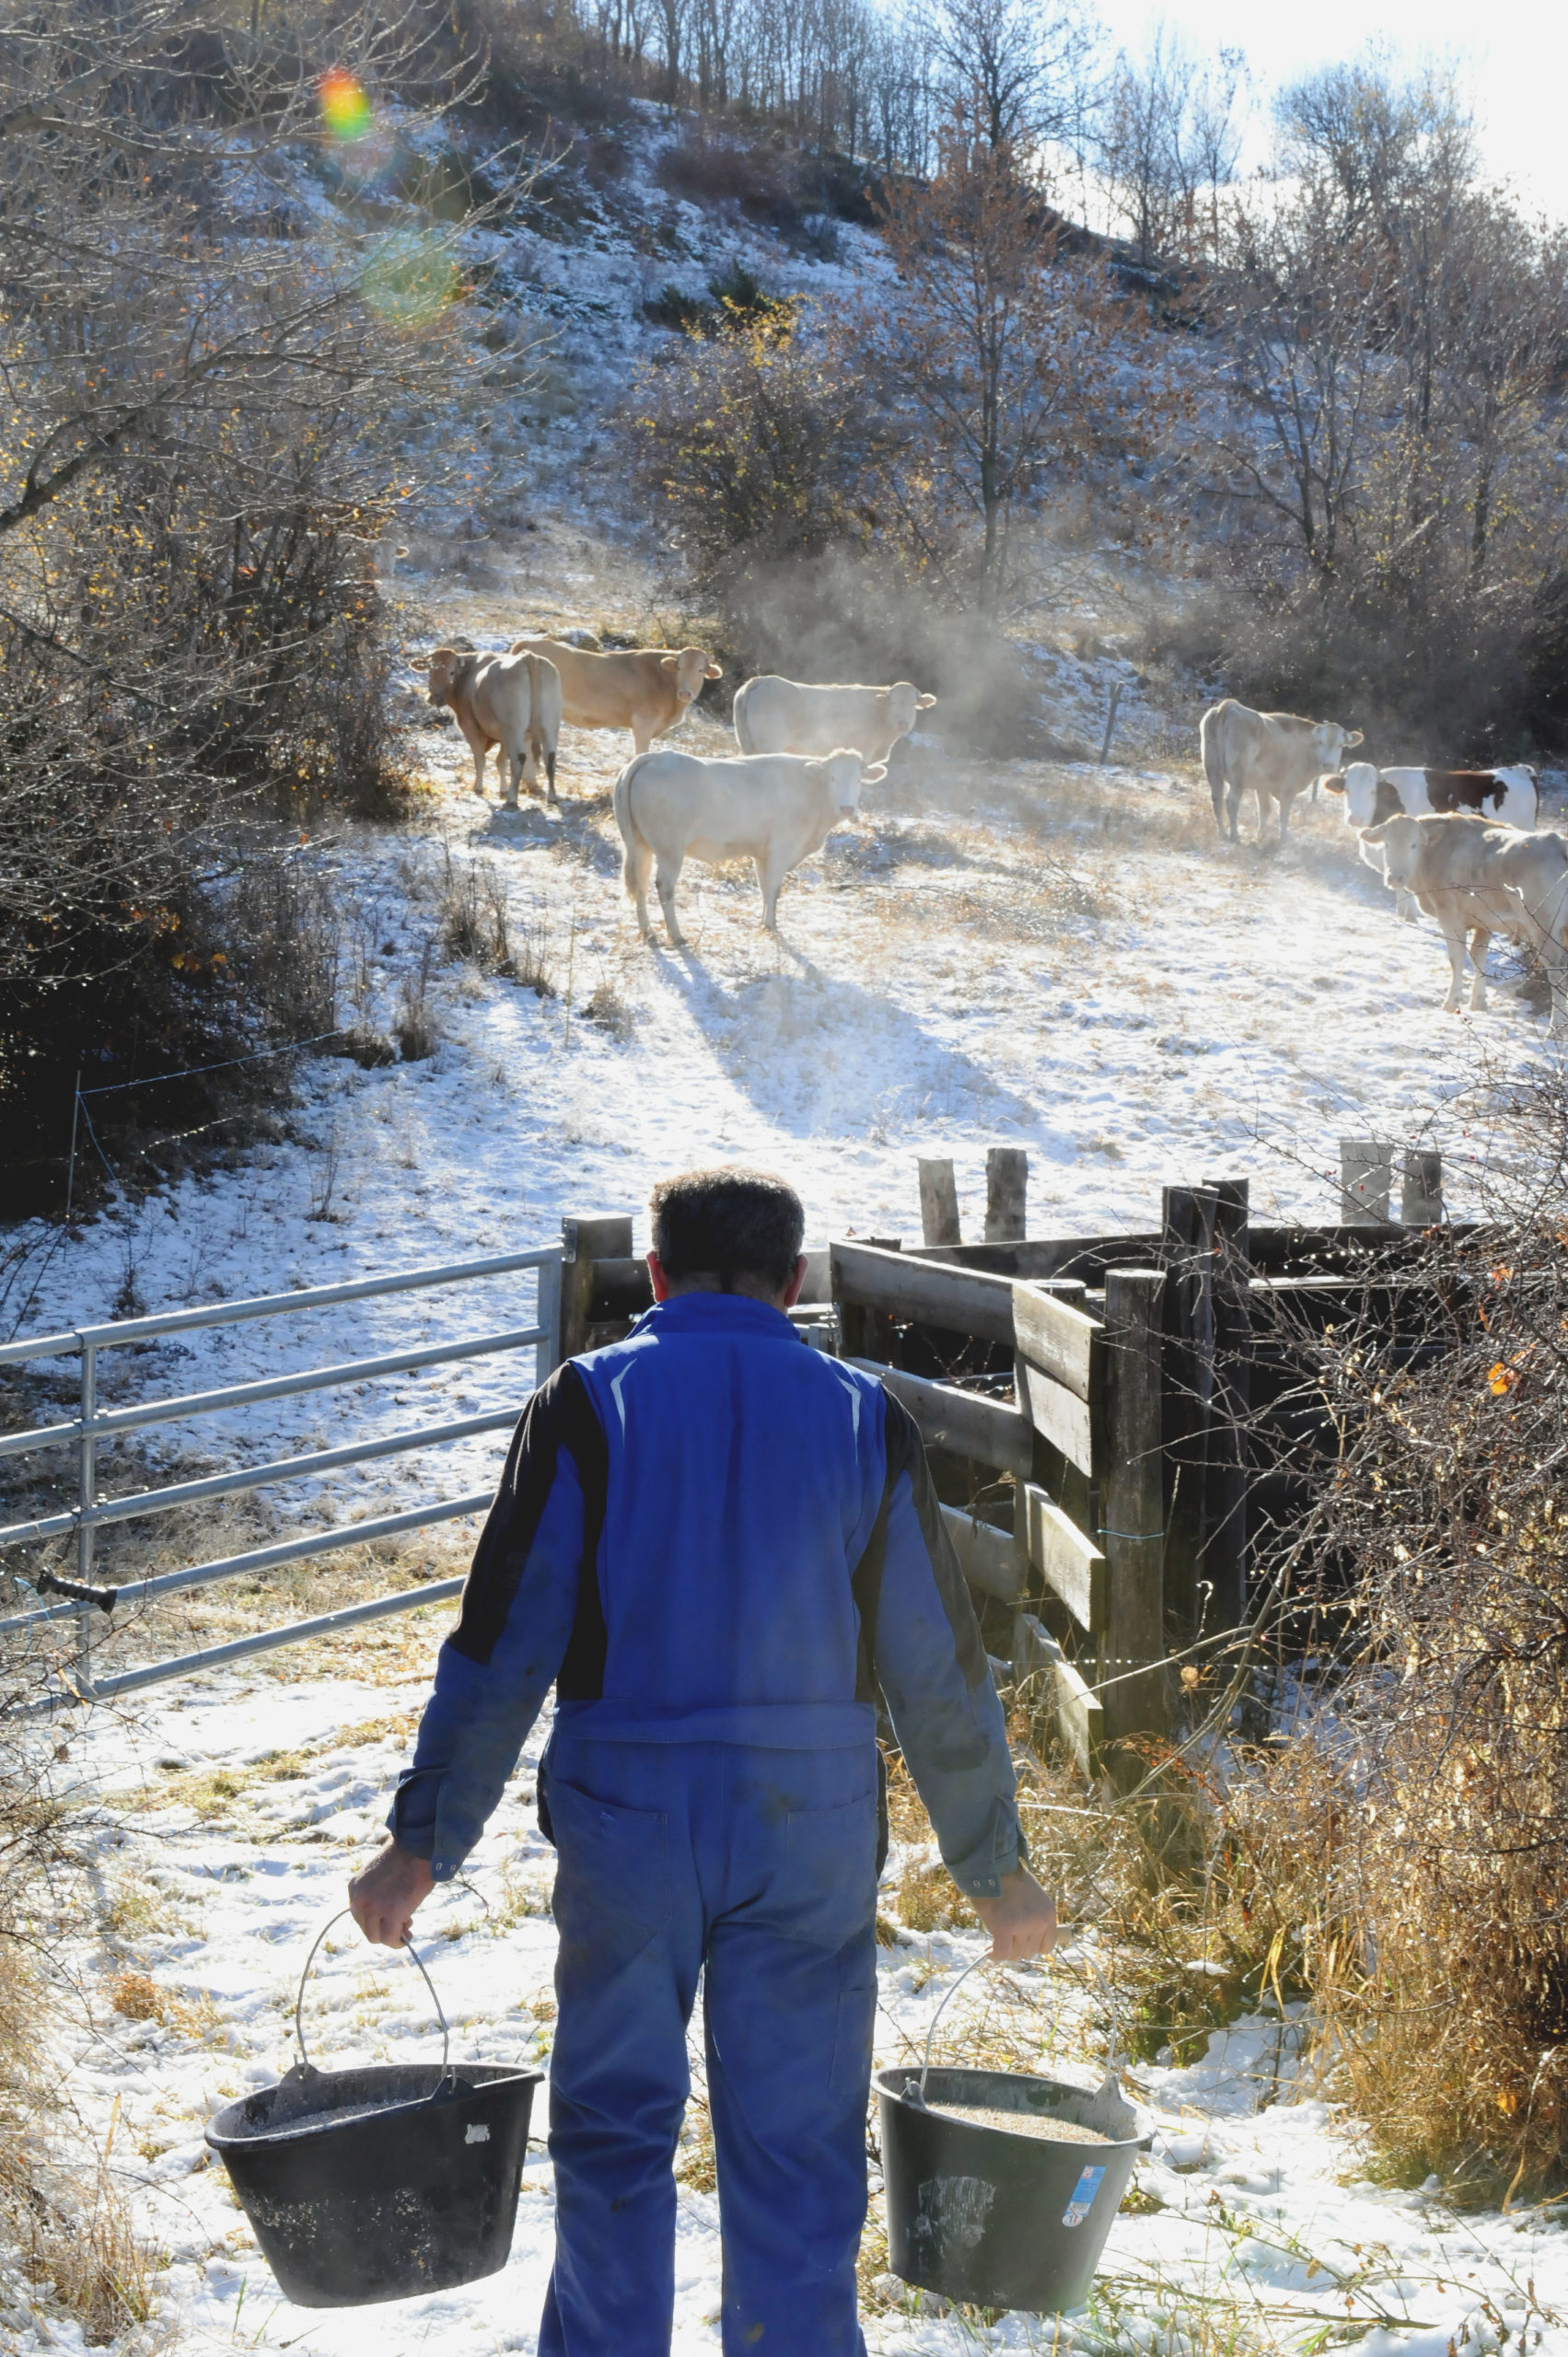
(1021, 1919)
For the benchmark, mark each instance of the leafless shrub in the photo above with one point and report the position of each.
(416, 1030)
(1436, 1549)
(473, 915)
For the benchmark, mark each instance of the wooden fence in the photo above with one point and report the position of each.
(1088, 1403)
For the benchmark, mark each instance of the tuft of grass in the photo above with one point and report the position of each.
(607, 1008)
(927, 1899)
(88, 2256)
(415, 1030)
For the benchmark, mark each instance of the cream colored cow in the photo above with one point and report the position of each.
(1275, 753)
(774, 808)
(1478, 879)
(645, 688)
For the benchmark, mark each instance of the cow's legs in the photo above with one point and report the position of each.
(1233, 810)
(666, 878)
(642, 735)
(511, 767)
(1404, 905)
(770, 873)
(1454, 943)
(550, 772)
(1480, 941)
(478, 747)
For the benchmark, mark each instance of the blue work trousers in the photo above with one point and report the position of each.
(758, 1869)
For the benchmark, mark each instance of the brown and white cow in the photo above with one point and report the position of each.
(774, 808)
(645, 688)
(1478, 879)
(1275, 753)
(777, 715)
(509, 701)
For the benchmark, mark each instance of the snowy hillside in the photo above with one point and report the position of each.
(1056, 956)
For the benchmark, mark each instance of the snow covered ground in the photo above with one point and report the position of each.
(1254, 2226)
(1061, 957)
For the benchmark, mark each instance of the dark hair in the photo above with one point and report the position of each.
(729, 1224)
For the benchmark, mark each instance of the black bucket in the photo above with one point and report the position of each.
(379, 2183)
(997, 2216)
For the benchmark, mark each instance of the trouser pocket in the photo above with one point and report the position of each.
(612, 1878)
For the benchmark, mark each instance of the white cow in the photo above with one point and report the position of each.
(1275, 753)
(1478, 879)
(774, 715)
(774, 808)
(1370, 796)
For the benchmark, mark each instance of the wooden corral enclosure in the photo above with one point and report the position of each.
(1115, 1423)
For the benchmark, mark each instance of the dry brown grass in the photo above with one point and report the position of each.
(81, 2250)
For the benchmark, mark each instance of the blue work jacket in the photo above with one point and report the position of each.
(712, 1533)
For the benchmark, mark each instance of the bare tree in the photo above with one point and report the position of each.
(998, 341)
(1016, 74)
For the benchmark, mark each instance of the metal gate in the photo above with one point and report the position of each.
(92, 1605)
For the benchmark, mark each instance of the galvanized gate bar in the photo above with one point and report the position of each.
(92, 1427)
(271, 1304)
(279, 1386)
(257, 1477)
(265, 1558)
(293, 1632)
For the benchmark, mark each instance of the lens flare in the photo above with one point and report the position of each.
(346, 109)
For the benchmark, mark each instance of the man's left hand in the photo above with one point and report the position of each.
(383, 1899)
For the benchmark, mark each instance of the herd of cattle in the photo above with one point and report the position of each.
(1460, 844)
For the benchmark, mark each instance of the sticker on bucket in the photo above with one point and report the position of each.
(478, 2133)
(1084, 2194)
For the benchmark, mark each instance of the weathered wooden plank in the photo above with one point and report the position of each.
(965, 1421)
(1132, 1526)
(1071, 1565)
(1080, 1718)
(1055, 1333)
(989, 1559)
(1057, 1414)
(905, 1284)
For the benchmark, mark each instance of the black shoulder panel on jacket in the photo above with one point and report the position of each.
(559, 1416)
(906, 1454)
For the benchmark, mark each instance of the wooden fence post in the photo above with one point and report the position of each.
(1223, 1560)
(938, 1202)
(1131, 1513)
(606, 1235)
(1187, 1222)
(1006, 1183)
(1366, 1177)
(1421, 1187)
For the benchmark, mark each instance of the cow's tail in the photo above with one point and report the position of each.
(542, 758)
(1213, 759)
(630, 833)
(743, 737)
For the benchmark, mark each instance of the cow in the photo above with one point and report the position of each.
(774, 808)
(509, 701)
(645, 688)
(1370, 796)
(1478, 879)
(1276, 754)
(774, 715)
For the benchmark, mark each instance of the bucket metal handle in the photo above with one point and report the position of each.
(409, 1950)
(952, 1991)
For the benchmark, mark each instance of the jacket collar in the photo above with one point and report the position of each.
(715, 1313)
